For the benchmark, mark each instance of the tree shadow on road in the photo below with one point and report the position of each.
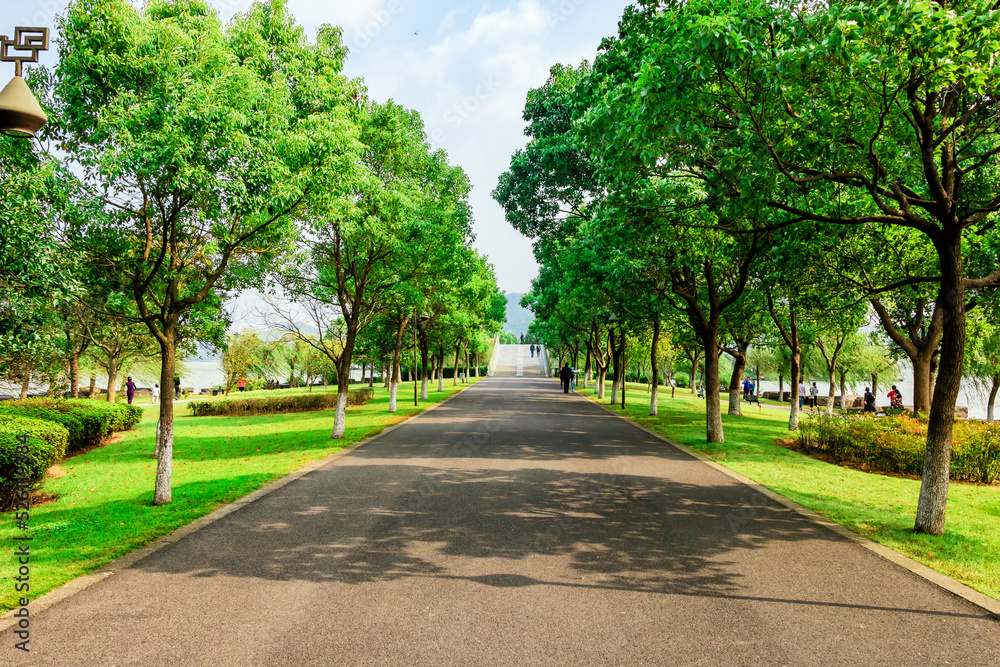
(358, 524)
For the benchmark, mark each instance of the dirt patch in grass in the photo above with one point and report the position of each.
(38, 498)
(55, 471)
(112, 439)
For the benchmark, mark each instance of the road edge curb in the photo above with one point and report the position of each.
(953, 586)
(74, 586)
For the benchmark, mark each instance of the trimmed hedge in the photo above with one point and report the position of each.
(235, 404)
(87, 421)
(896, 444)
(46, 445)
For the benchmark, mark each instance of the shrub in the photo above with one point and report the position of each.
(896, 444)
(88, 422)
(275, 403)
(681, 380)
(46, 445)
(978, 458)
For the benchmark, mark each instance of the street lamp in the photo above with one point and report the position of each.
(20, 113)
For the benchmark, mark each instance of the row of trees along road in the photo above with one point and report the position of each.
(186, 162)
(775, 172)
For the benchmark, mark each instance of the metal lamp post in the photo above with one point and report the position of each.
(20, 113)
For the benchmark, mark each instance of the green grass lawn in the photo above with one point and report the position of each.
(877, 506)
(104, 508)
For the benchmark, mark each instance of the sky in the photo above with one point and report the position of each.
(466, 67)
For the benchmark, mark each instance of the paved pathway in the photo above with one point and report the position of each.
(512, 526)
(517, 361)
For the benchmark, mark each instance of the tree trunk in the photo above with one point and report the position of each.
(713, 412)
(616, 366)
(922, 379)
(74, 375)
(165, 432)
(695, 359)
(343, 386)
(624, 364)
(993, 398)
(465, 355)
(454, 375)
(832, 393)
(781, 387)
(793, 418)
(654, 407)
(843, 391)
(93, 386)
(440, 373)
(875, 386)
(933, 375)
(396, 371)
(736, 383)
(587, 370)
(937, 457)
(344, 378)
(425, 370)
(113, 378)
(25, 384)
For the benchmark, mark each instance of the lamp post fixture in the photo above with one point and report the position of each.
(20, 113)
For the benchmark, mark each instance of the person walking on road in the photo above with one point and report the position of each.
(155, 393)
(130, 389)
(813, 395)
(802, 393)
(565, 376)
(532, 350)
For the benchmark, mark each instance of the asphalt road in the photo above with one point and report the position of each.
(512, 526)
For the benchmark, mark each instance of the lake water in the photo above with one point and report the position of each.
(969, 396)
(200, 374)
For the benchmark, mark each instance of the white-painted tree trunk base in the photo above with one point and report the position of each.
(654, 403)
(423, 389)
(734, 402)
(441, 382)
(393, 390)
(164, 463)
(340, 418)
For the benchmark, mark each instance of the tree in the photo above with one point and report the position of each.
(983, 366)
(194, 149)
(237, 357)
(837, 115)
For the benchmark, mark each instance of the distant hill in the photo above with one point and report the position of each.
(518, 318)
